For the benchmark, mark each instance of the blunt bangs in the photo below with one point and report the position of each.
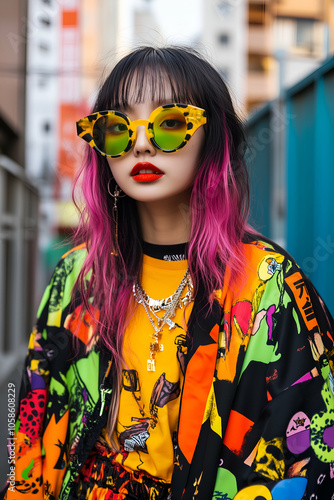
(150, 68)
(192, 80)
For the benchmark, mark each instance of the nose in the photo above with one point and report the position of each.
(142, 144)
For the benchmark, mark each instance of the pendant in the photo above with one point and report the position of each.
(171, 324)
(151, 365)
(155, 347)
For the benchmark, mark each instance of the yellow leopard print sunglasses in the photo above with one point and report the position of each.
(168, 128)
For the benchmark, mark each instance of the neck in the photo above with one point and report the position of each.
(165, 222)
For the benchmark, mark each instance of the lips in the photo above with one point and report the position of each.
(145, 172)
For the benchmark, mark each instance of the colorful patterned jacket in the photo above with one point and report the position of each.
(257, 408)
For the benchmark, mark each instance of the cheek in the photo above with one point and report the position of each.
(198, 144)
(111, 165)
(115, 169)
(186, 170)
(193, 154)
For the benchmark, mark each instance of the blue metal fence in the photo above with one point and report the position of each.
(292, 174)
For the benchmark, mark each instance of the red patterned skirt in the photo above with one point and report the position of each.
(101, 478)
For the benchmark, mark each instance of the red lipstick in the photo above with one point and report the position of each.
(146, 172)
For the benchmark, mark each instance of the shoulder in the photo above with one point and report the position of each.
(262, 263)
(76, 251)
(74, 258)
(269, 267)
(59, 293)
(259, 250)
(266, 259)
(265, 262)
(69, 265)
(270, 279)
(287, 289)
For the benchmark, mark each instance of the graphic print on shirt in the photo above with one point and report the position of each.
(181, 344)
(130, 383)
(134, 437)
(163, 392)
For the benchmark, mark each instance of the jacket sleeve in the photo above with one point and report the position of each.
(279, 442)
(39, 462)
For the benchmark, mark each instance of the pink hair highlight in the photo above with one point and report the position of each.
(103, 276)
(216, 205)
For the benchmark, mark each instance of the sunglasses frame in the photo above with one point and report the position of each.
(194, 116)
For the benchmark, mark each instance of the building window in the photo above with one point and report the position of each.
(256, 13)
(305, 34)
(224, 7)
(257, 63)
(224, 39)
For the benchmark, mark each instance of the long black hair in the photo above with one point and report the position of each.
(219, 200)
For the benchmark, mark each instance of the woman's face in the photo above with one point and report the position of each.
(133, 172)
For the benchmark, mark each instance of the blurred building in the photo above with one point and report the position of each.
(72, 46)
(53, 103)
(108, 30)
(18, 211)
(18, 196)
(262, 46)
(225, 39)
(287, 39)
(12, 79)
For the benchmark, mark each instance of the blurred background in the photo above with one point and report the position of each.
(276, 57)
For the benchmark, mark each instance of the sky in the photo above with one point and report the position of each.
(180, 19)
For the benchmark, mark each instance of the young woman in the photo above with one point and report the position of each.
(176, 354)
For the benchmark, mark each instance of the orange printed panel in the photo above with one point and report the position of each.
(54, 463)
(196, 389)
(81, 324)
(237, 428)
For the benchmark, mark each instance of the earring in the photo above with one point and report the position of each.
(116, 195)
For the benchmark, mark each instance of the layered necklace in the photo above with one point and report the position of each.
(169, 305)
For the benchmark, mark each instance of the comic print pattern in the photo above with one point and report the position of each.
(280, 428)
(134, 437)
(256, 416)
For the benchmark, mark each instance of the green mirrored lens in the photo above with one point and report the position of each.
(111, 134)
(170, 129)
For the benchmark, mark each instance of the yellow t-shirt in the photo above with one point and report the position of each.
(148, 415)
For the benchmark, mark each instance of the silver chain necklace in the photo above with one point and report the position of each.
(153, 306)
